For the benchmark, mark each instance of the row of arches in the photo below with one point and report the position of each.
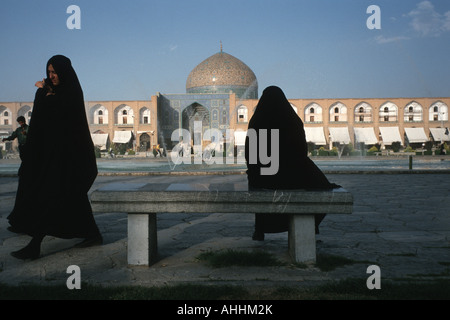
(7, 117)
(388, 112)
(363, 112)
(123, 115)
(313, 113)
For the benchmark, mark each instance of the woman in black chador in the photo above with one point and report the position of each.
(59, 165)
(295, 170)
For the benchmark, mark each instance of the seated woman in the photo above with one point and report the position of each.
(295, 169)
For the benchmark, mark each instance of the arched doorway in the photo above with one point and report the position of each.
(144, 142)
(196, 113)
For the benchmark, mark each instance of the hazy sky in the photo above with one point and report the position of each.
(129, 50)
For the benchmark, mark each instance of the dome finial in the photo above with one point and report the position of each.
(220, 45)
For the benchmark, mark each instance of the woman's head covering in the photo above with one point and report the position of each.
(68, 79)
(274, 111)
(296, 170)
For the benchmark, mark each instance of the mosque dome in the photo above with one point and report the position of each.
(222, 73)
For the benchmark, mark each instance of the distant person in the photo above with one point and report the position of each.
(442, 150)
(295, 169)
(52, 195)
(159, 150)
(21, 134)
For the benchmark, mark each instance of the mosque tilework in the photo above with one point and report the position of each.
(222, 73)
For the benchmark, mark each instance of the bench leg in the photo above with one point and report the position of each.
(142, 239)
(302, 238)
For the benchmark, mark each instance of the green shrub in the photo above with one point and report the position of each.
(372, 151)
(323, 152)
(333, 152)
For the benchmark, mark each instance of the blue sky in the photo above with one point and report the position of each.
(129, 50)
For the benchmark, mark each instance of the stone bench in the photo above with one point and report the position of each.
(142, 201)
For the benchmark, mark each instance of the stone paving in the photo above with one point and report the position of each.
(401, 222)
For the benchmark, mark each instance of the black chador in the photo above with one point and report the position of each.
(295, 169)
(59, 165)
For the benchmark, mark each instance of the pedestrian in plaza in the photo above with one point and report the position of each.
(442, 149)
(21, 134)
(295, 169)
(52, 195)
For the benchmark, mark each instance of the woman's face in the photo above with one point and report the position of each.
(52, 75)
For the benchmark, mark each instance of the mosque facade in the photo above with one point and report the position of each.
(221, 96)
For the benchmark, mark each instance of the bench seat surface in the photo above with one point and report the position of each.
(220, 198)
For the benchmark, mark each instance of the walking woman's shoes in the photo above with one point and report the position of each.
(29, 252)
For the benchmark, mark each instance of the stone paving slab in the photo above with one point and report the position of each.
(400, 223)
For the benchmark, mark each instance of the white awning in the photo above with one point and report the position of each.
(316, 135)
(366, 135)
(100, 140)
(416, 135)
(439, 134)
(239, 138)
(122, 136)
(340, 134)
(390, 134)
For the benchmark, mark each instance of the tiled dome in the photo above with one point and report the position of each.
(222, 73)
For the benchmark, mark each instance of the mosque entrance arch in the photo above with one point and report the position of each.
(144, 142)
(196, 113)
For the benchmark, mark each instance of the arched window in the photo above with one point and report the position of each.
(438, 112)
(5, 116)
(124, 114)
(242, 114)
(363, 112)
(144, 116)
(413, 112)
(338, 112)
(313, 113)
(388, 112)
(99, 114)
(224, 117)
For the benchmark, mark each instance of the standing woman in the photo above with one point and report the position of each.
(295, 170)
(59, 165)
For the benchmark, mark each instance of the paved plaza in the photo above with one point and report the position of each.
(400, 222)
